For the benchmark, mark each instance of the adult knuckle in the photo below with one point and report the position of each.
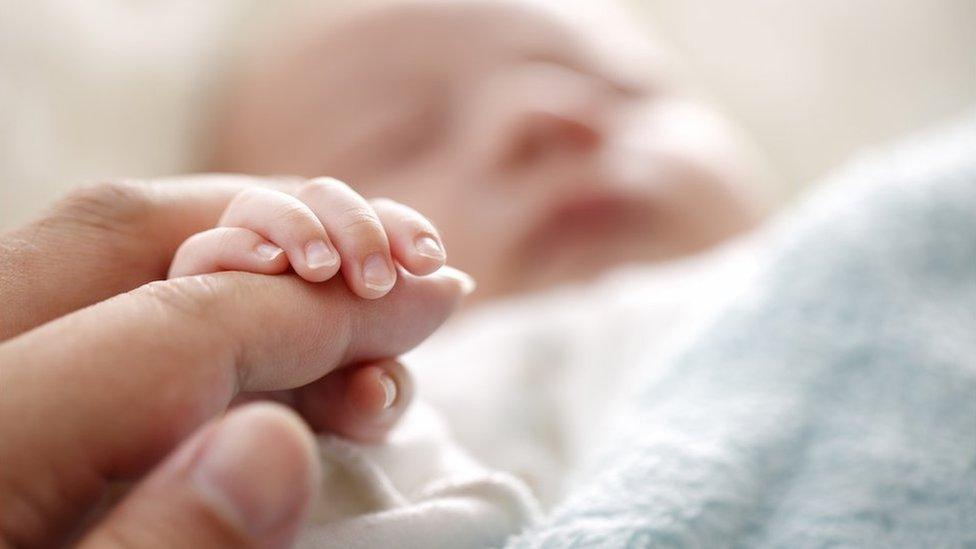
(109, 204)
(111, 191)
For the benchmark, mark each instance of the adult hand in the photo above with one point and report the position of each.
(108, 373)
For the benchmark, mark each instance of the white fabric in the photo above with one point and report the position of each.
(523, 387)
(416, 490)
(526, 385)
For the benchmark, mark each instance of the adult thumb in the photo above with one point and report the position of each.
(246, 479)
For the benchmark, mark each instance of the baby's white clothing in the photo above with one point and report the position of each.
(514, 394)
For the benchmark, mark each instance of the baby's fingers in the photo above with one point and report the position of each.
(361, 402)
(358, 234)
(227, 249)
(413, 239)
(289, 224)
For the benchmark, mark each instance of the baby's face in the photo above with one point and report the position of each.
(540, 159)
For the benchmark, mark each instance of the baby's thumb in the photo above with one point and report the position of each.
(245, 480)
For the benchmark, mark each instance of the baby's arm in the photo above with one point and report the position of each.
(324, 228)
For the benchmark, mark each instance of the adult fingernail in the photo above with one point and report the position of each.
(467, 283)
(256, 474)
(319, 255)
(428, 246)
(377, 274)
(268, 252)
(389, 390)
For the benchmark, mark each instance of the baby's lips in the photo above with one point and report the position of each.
(465, 280)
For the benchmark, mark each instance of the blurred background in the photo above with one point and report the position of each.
(106, 89)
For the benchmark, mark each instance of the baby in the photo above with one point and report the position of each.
(542, 155)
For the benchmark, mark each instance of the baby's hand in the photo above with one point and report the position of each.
(324, 228)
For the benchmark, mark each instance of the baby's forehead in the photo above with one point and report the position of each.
(435, 42)
(398, 61)
(440, 37)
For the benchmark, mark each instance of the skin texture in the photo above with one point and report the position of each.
(322, 228)
(541, 158)
(111, 374)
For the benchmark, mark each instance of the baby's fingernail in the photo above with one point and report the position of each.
(468, 283)
(268, 252)
(377, 274)
(428, 246)
(318, 255)
(389, 390)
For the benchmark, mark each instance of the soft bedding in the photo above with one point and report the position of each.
(812, 385)
(831, 404)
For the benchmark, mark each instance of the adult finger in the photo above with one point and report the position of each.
(171, 355)
(106, 239)
(246, 480)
